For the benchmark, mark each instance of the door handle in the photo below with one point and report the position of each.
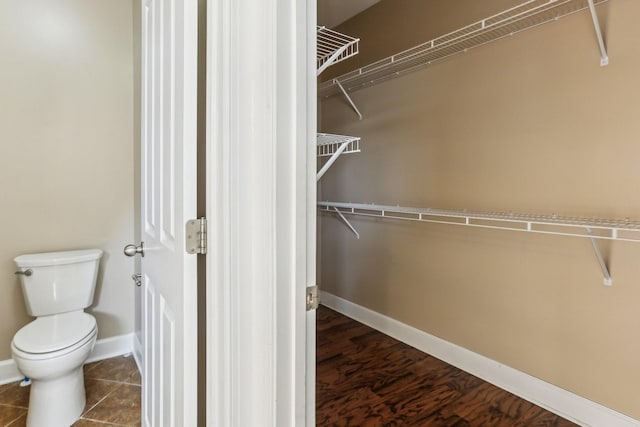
(132, 250)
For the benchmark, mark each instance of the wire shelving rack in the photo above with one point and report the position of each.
(333, 47)
(529, 14)
(333, 146)
(591, 228)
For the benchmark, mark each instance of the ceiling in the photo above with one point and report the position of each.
(334, 12)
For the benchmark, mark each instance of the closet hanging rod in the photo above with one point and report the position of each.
(527, 15)
(592, 228)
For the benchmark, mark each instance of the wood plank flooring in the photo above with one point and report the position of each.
(366, 378)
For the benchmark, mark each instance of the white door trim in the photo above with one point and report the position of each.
(259, 117)
(311, 203)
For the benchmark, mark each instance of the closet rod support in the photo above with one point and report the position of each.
(346, 221)
(604, 57)
(331, 160)
(605, 271)
(346, 95)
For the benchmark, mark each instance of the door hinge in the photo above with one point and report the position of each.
(196, 236)
(313, 298)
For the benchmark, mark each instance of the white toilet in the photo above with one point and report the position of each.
(52, 349)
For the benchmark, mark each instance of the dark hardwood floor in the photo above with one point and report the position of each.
(365, 378)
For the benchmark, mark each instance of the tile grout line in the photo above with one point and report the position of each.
(95, 365)
(97, 403)
(14, 406)
(102, 422)
(114, 381)
(6, 390)
(106, 423)
(16, 419)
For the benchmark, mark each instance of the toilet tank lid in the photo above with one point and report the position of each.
(52, 333)
(57, 258)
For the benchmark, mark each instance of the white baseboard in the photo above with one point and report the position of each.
(9, 372)
(107, 348)
(555, 399)
(104, 349)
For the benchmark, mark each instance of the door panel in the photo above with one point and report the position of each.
(169, 48)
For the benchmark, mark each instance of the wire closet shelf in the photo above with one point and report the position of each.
(527, 15)
(329, 144)
(608, 229)
(333, 47)
(332, 146)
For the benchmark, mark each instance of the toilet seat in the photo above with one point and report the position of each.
(54, 355)
(55, 334)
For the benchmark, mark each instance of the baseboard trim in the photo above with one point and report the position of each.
(104, 349)
(9, 372)
(107, 348)
(555, 399)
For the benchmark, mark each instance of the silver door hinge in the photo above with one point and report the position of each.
(313, 298)
(196, 236)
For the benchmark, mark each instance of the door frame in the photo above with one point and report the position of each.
(261, 210)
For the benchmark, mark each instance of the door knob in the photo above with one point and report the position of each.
(132, 250)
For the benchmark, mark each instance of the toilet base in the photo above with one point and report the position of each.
(57, 402)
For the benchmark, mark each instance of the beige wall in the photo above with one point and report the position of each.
(66, 130)
(528, 124)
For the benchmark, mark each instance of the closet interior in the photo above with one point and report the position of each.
(334, 47)
(399, 270)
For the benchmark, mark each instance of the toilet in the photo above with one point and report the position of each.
(52, 349)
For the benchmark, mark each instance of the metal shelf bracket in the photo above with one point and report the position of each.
(331, 160)
(346, 95)
(608, 281)
(604, 58)
(346, 221)
(333, 146)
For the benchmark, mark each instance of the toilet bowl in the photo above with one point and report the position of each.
(57, 389)
(52, 349)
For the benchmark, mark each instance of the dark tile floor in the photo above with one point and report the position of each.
(113, 396)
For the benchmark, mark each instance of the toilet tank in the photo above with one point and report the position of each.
(59, 281)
